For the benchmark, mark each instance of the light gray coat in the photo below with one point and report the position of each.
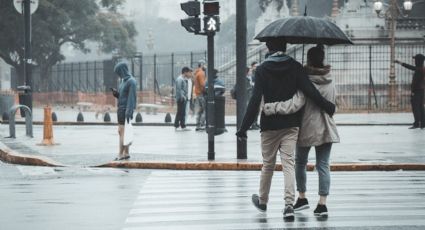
(181, 88)
(317, 127)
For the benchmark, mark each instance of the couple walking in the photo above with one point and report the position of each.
(291, 121)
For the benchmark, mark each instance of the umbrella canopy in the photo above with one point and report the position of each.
(304, 30)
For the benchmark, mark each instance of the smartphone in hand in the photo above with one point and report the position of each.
(114, 92)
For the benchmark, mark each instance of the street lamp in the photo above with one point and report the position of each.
(391, 14)
(408, 5)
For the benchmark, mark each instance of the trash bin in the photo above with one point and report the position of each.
(24, 94)
(220, 103)
(219, 114)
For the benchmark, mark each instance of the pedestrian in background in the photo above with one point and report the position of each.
(219, 87)
(182, 98)
(251, 79)
(417, 88)
(277, 79)
(189, 104)
(127, 98)
(200, 102)
(317, 130)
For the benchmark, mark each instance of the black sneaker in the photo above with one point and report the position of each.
(288, 212)
(321, 210)
(256, 202)
(414, 126)
(301, 204)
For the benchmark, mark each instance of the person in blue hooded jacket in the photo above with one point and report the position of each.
(127, 97)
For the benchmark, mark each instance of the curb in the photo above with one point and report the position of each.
(72, 123)
(9, 156)
(255, 166)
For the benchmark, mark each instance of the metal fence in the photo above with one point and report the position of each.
(361, 72)
(72, 77)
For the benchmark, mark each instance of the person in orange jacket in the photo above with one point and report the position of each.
(199, 95)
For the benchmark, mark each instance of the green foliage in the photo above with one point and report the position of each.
(59, 22)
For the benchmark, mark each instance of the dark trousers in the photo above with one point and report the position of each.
(181, 114)
(418, 107)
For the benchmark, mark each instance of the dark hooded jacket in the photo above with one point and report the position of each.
(127, 90)
(418, 81)
(277, 79)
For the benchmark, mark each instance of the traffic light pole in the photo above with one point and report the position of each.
(210, 97)
(27, 51)
(241, 32)
(211, 26)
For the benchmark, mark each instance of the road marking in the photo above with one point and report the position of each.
(221, 200)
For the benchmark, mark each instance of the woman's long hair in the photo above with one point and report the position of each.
(316, 56)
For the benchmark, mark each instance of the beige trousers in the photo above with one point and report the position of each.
(124, 150)
(284, 141)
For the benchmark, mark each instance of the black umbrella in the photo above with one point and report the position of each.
(304, 30)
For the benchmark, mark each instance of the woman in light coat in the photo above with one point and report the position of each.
(317, 129)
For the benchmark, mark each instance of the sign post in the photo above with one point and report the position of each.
(27, 7)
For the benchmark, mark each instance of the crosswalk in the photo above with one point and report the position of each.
(221, 200)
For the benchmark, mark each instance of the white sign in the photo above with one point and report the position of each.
(211, 25)
(19, 5)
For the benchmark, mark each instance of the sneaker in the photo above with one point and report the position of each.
(186, 129)
(288, 212)
(301, 204)
(125, 157)
(414, 127)
(256, 202)
(321, 210)
(122, 158)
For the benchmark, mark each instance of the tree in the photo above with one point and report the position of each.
(59, 22)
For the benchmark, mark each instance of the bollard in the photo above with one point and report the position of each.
(80, 117)
(48, 127)
(107, 117)
(139, 118)
(28, 120)
(168, 118)
(54, 117)
(5, 117)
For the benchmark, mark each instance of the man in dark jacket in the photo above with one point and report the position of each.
(127, 97)
(277, 79)
(417, 87)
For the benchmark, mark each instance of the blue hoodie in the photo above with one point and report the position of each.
(127, 90)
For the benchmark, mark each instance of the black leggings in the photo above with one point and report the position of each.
(418, 107)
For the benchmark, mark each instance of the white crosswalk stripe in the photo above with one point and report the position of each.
(222, 200)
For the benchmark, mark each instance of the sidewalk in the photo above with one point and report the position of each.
(96, 145)
(70, 115)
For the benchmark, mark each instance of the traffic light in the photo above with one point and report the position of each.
(211, 18)
(211, 8)
(211, 24)
(193, 22)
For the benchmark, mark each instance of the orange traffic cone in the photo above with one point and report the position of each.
(48, 127)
